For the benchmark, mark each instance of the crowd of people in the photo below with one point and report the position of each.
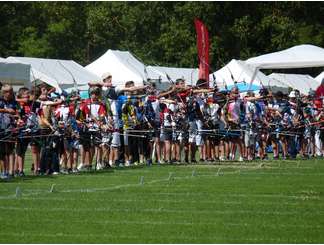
(141, 125)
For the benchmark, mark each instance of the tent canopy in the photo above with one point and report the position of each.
(304, 83)
(57, 73)
(190, 75)
(237, 71)
(300, 56)
(123, 67)
(320, 77)
(14, 73)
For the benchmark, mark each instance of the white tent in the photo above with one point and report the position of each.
(60, 74)
(190, 75)
(304, 83)
(14, 73)
(123, 67)
(237, 71)
(300, 56)
(320, 77)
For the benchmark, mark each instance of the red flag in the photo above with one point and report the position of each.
(203, 50)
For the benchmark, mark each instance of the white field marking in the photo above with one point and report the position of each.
(282, 204)
(281, 173)
(92, 190)
(160, 210)
(87, 190)
(149, 222)
(226, 195)
(182, 238)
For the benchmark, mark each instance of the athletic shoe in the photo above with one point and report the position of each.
(21, 174)
(99, 166)
(75, 170)
(55, 173)
(148, 162)
(63, 171)
(81, 166)
(240, 159)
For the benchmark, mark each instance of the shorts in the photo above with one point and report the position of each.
(72, 144)
(199, 138)
(89, 139)
(106, 139)
(234, 133)
(126, 137)
(115, 141)
(249, 139)
(166, 134)
(22, 145)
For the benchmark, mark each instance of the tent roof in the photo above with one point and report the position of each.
(123, 67)
(301, 82)
(190, 75)
(14, 73)
(240, 71)
(320, 77)
(56, 72)
(300, 56)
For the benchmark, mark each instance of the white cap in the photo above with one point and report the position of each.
(105, 75)
(292, 94)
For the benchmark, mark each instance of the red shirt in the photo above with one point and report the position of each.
(96, 109)
(318, 94)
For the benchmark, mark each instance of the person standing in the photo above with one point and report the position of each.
(8, 116)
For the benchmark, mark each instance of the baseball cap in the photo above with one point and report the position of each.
(292, 94)
(105, 75)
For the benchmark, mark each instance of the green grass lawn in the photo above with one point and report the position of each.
(279, 202)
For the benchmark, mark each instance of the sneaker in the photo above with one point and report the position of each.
(16, 173)
(81, 166)
(222, 159)
(99, 166)
(240, 159)
(127, 163)
(21, 174)
(4, 176)
(55, 173)
(75, 170)
(63, 171)
(148, 162)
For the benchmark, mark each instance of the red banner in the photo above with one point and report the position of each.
(203, 50)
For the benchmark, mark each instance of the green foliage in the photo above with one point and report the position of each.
(31, 45)
(157, 32)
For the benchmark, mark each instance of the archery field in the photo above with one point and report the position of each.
(250, 202)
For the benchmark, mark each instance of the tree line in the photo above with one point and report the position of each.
(159, 33)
